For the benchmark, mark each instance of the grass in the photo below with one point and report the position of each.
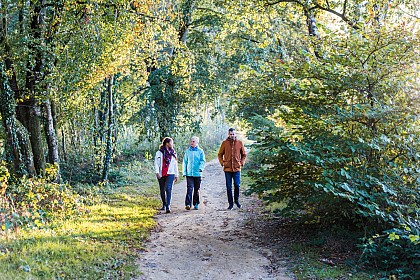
(105, 241)
(308, 265)
(102, 243)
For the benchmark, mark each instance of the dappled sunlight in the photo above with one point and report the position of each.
(324, 94)
(97, 243)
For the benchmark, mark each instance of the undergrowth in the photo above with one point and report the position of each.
(102, 239)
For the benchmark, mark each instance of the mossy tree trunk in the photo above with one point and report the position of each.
(18, 147)
(111, 127)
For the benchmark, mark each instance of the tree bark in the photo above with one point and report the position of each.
(28, 114)
(311, 23)
(312, 29)
(63, 145)
(18, 147)
(102, 112)
(29, 110)
(51, 137)
(109, 142)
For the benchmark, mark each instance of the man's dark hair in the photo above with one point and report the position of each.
(231, 129)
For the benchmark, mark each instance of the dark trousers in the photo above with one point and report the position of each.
(236, 177)
(165, 185)
(193, 184)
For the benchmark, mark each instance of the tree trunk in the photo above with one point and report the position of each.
(29, 113)
(63, 144)
(114, 118)
(187, 8)
(102, 113)
(29, 110)
(311, 23)
(312, 29)
(96, 123)
(18, 147)
(108, 151)
(50, 134)
(54, 117)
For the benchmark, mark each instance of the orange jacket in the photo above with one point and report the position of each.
(232, 155)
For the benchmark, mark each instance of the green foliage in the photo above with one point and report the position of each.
(336, 125)
(395, 252)
(100, 243)
(335, 115)
(33, 202)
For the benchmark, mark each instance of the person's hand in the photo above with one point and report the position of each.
(157, 176)
(176, 179)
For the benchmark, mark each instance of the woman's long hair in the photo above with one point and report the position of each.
(164, 141)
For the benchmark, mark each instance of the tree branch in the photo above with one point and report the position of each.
(344, 7)
(249, 39)
(342, 16)
(282, 1)
(411, 15)
(318, 6)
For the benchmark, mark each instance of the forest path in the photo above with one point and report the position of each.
(212, 242)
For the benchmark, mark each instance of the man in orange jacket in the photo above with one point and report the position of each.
(232, 157)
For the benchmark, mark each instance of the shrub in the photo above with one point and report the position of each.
(32, 202)
(395, 252)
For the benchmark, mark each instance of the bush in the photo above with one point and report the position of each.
(395, 252)
(338, 141)
(32, 202)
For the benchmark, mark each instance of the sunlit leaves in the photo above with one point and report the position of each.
(339, 119)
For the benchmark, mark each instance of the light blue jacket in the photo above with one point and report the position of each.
(194, 162)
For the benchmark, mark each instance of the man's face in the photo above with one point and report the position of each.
(232, 135)
(193, 143)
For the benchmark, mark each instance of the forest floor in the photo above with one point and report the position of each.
(213, 242)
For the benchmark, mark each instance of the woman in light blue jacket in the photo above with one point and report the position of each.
(193, 166)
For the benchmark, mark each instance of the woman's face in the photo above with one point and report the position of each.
(170, 144)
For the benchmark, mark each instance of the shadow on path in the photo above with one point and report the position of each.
(209, 243)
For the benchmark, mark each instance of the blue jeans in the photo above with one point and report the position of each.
(193, 183)
(236, 176)
(165, 185)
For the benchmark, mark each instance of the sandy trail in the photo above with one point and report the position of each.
(209, 243)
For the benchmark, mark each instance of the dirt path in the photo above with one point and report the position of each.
(209, 243)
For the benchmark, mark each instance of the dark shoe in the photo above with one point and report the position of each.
(238, 204)
(168, 210)
(187, 207)
(230, 207)
(163, 208)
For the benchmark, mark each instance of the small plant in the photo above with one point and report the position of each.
(395, 252)
(32, 202)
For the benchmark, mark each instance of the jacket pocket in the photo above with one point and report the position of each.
(227, 164)
(236, 164)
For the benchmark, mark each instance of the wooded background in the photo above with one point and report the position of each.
(327, 90)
